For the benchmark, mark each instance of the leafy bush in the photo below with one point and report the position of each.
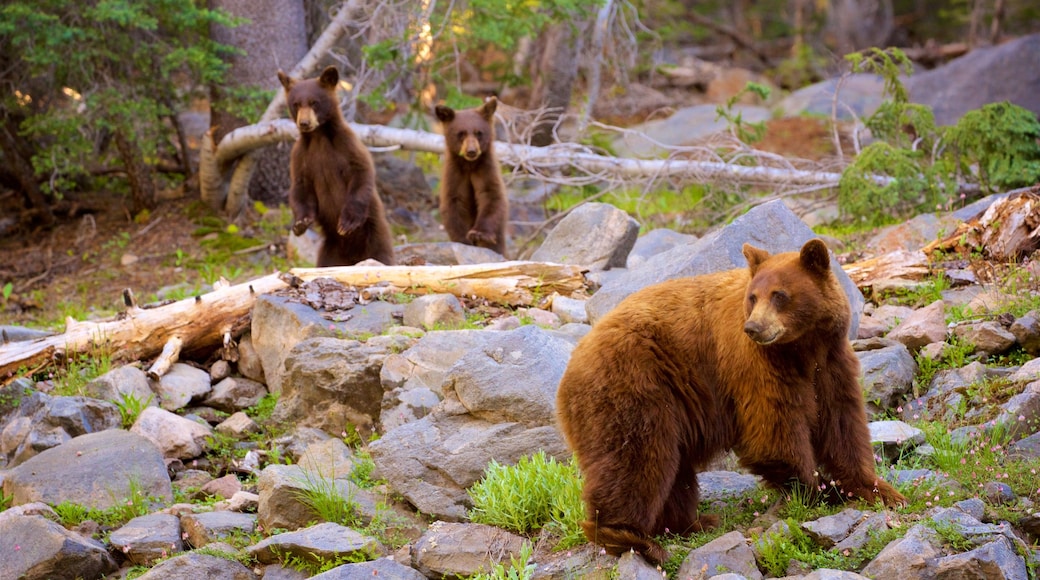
(538, 492)
(919, 163)
(83, 76)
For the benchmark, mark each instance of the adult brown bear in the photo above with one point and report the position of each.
(754, 359)
(333, 178)
(474, 207)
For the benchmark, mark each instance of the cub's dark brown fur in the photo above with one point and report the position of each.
(754, 359)
(333, 177)
(473, 204)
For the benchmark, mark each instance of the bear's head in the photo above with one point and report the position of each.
(312, 102)
(793, 293)
(468, 133)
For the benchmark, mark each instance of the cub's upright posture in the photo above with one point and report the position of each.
(473, 205)
(756, 360)
(333, 177)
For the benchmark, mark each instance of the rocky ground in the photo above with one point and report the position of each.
(213, 501)
(205, 473)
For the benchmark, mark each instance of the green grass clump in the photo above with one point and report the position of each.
(520, 568)
(538, 492)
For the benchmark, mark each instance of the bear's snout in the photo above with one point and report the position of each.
(470, 149)
(761, 333)
(306, 120)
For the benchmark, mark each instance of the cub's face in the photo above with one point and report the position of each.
(468, 133)
(311, 102)
(789, 294)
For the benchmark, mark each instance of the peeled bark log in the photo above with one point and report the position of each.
(1008, 230)
(512, 283)
(200, 323)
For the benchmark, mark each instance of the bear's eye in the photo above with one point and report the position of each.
(480, 134)
(752, 299)
(780, 299)
(461, 135)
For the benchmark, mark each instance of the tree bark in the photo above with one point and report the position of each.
(512, 283)
(23, 172)
(199, 323)
(138, 174)
(272, 36)
(554, 72)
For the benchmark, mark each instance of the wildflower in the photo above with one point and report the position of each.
(899, 409)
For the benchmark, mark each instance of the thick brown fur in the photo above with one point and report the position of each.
(754, 359)
(333, 178)
(474, 207)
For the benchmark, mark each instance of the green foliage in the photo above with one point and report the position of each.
(746, 132)
(135, 504)
(261, 412)
(325, 498)
(79, 369)
(130, 407)
(5, 293)
(538, 492)
(998, 146)
(995, 146)
(81, 72)
(776, 551)
(520, 568)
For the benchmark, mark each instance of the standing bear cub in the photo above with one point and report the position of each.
(473, 204)
(333, 178)
(755, 360)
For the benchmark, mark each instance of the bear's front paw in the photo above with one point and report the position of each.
(477, 238)
(301, 225)
(889, 495)
(348, 224)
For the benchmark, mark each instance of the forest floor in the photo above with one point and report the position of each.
(80, 267)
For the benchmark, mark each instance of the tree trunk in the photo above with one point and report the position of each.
(138, 174)
(273, 36)
(554, 71)
(23, 172)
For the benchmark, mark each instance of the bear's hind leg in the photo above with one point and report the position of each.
(680, 515)
(627, 492)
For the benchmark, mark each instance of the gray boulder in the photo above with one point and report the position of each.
(148, 538)
(596, 235)
(1009, 71)
(35, 548)
(194, 566)
(181, 385)
(413, 379)
(450, 550)
(330, 383)
(97, 470)
(770, 226)
(499, 401)
(42, 422)
(316, 545)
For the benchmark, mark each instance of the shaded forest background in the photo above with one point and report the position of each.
(92, 91)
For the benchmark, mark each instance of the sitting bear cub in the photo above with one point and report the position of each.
(333, 178)
(755, 359)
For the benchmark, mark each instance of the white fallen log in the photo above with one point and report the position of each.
(200, 323)
(512, 283)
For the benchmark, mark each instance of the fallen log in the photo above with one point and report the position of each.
(197, 323)
(890, 269)
(510, 283)
(1008, 230)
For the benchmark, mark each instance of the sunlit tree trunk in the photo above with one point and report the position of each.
(273, 36)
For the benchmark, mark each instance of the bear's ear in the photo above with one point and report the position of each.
(487, 110)
(286, 80)
(815, 257)
(755, 256)
(444, 114)
(329, 78)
